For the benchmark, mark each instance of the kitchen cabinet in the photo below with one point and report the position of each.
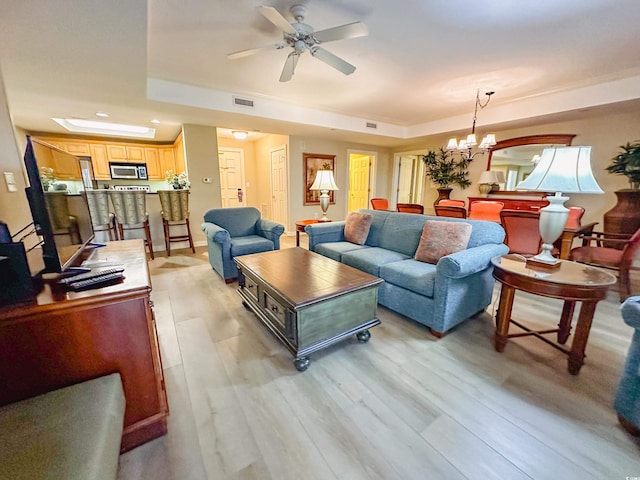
(79, 149)
(152, 158)
(167, 160)
(123, 153)
(98, 153)
(181, 164)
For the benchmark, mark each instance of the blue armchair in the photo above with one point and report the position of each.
(232, 232)
(627, 401)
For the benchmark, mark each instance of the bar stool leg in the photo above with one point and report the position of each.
(167, 236)
(147, 232)
(193, 249)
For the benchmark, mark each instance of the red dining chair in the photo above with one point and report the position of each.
(447, 202)
(575, 216)
(450, 211)
(522, 231)
(410, 208)
(610, 250)
(485, 210)
(379, 204)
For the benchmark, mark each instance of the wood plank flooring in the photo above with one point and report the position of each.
(403, 406)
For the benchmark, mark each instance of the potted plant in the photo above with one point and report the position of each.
(178, 181)
(444, 170)
(625, 216)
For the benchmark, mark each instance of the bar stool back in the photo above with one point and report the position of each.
(175, 212)
(131, 213)
(102, 218)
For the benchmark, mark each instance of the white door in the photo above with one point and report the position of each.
(279, 185)
(231, 162)
(358, 181)
(405, 180)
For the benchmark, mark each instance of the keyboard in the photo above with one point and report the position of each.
(95, 282)
(90, 275)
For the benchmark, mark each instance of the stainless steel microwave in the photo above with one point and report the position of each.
(130, 171)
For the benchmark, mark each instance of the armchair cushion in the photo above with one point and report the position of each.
(250, 244)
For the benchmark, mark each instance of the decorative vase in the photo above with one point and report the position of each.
(625, 216)
(443, 193)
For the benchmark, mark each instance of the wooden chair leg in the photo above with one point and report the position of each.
(121, 231)
(167, 237)
(147, 232)
(193, 249)
(624, 284)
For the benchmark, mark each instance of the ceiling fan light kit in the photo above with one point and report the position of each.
(302, 37)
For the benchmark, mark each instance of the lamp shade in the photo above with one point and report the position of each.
(488, 176)
(566, 169)
(500, 176)
(324, 181)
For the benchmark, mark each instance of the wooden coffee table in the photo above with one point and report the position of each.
(572, 282)
(308, 301)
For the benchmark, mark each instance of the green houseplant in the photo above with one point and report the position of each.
(627, 163)
(444, 170)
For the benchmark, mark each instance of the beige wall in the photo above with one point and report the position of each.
(201, 150)
(14, 209)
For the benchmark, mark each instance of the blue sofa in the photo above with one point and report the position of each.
(439, 296)
(236, 231)
(627, 400)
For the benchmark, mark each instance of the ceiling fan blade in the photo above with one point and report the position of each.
(351, 30)
(332, 60)
(276, 18)
(253, 51)
(289, 67)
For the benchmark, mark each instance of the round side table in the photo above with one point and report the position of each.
(572, 282)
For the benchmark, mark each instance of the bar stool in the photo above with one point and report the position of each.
(102, 219)
(131, 213)
(62, 222)
(175, 212)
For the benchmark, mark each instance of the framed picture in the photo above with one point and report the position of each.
(312, 163)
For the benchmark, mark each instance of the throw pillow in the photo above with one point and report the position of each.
(356, 228)
(440, 238)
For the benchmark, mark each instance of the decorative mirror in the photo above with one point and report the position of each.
(515, 157)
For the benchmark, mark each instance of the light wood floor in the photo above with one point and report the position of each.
(403, 406)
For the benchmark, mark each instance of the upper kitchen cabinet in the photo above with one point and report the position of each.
(181, 164)
(152, 158)
(167, 160)
(123, 153)
(100, 161)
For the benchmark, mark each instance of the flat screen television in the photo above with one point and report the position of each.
(60, 212)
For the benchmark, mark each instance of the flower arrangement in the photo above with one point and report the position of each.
(178, 181)
(47, 177)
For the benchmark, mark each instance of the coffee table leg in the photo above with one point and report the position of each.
(301, 363)
(564, 327)
(363, 336)
(579, 344)
(297, 237)
(504, 317)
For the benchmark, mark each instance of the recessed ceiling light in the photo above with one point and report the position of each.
(155, 121)
(238, 135)
(79, 125)
(102, 114)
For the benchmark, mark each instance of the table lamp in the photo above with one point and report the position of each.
(500, 179)
(324, 182)
(564, 169)
(486, 181)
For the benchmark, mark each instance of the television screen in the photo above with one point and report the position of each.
(60, 212)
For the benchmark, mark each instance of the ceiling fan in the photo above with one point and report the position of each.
(301, 37)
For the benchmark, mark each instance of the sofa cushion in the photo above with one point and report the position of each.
(356, 227)
(370, 259)
(441, 238)
(250, 244)
(335, 250)
(419, 277)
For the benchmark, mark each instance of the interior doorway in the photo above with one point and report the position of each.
(231, 164)
(279, 185)
(408, 179)
(361, 179)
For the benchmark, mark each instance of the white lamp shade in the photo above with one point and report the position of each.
(566, 169)
(452, 145)
(324, 181)
(488, 176)
(471, 140)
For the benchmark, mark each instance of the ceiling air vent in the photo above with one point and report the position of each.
(372, 125)
(243, 102)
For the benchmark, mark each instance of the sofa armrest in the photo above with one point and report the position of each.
(215, 233)
(472, 260)
(270, 230)
(630, 310)
(324, 232)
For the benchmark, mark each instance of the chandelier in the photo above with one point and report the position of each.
(465, 147)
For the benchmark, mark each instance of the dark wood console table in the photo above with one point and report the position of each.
(62, 338)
